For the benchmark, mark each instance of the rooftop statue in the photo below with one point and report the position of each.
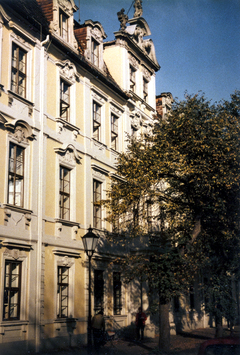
(123, 19)
(138, 8)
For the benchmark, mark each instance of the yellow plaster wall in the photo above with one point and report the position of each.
(80, 192)
(6, 61)
(79, 291)
(113, 56)
(3, 163)
(79, 106)
(51, 89)
(50, 178)
(49, 284)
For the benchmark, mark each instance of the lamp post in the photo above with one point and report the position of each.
(90, 241)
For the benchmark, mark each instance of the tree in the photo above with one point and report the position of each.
(175, 207)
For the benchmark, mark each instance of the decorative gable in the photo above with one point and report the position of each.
(60, 14)
(90, 37)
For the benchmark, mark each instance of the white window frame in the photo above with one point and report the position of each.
(26, 177)
(62, 259)
(27, 48)
(23, 258)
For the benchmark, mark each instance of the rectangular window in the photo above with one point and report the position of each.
(96, 120)
(95, 52)
(12, 290)
(98, 290)
(63, 25)
(62, 291)
(18, 73)
(64, 193)
(114, 132)
(64, 100)
(97, 208)
(117, 293)
(132, 79)
(145, 89)
(16, 175)
(149, 216)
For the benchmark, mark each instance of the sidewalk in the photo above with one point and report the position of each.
(185, 344)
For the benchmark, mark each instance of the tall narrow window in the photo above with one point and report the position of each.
(145, 89)
(64, 193)
(97, 209)
(18, 74)
(96, 120)
(117, 293)
(12, 290)
(15, 175)
(64, 100)
(149, 216)
(62, 291)
(95, 52)
(98, 290)
(63, 25)
(132, 78)
(114, 132)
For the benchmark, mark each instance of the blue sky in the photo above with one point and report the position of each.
(197, 42)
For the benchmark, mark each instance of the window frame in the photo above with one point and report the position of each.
(60, 286)
(63, 194)
(145, 89)
(117, 293)
(97, 208)
(16, 176)
(11, 289)
(63, 30)
(64, 105)
(96, 119)
(16, 70)
(98, 290)
(95, 52)
(132, 78)
(114, 131)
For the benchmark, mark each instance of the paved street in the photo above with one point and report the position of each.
(185, 344)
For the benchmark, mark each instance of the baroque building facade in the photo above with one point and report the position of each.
(67, 100)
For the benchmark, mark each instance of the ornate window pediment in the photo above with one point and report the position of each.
(68, 71)
(68, 156)
(19, 130)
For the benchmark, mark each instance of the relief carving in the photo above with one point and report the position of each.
(96, 34)
(68, 70)
(136, 121)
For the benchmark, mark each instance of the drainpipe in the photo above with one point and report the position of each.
(40, 193)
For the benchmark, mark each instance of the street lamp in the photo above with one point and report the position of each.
(90, 241)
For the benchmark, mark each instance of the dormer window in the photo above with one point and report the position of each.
(95, 52)
(63, 25)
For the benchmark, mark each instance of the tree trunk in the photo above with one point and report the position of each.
(219, 327)
(164, 327)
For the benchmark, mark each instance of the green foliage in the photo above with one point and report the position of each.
(187, 174)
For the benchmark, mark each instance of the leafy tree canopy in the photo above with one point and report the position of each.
(175, 207)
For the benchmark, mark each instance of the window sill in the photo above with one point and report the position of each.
(67, 222)
(68, 125)
(19, 209)
(12, 95)
(65, 320)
